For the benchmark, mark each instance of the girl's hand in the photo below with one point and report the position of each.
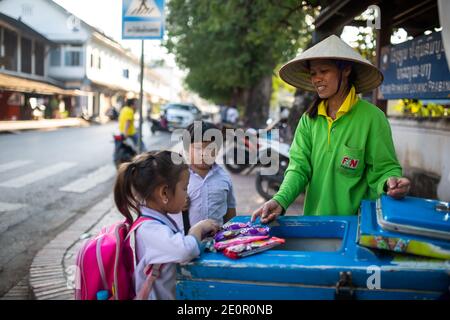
(397, 188)
(268, 211)
(209, 227)
(203, 228)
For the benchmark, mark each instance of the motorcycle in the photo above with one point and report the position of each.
(241, 154)
(159, 125)
(268, 184)
(124, 149)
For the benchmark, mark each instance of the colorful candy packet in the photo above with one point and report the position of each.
(235, 241)
(233, 230)
(246, 249)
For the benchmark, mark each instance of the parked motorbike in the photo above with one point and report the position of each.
(242, 153)
(159, 125)
(268, 185)
(124, 149)
(112, 114)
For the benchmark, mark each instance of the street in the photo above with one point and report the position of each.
(47, 180)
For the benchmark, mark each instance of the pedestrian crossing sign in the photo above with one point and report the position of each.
(143, 19)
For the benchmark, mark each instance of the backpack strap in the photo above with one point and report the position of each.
(152, 272)
(132, 236)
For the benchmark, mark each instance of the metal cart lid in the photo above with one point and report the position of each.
(417, 216)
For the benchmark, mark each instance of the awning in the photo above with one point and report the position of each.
(13, 83)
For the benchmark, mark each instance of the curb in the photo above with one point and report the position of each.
(49, 277)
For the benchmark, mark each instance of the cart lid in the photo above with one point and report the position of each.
(416, 216)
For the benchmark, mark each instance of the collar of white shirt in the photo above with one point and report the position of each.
(148, 212)
(213, 169)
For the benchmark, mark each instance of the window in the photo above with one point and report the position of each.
(25, 54)
(73, 58)
(126, 73)
(39, 58)
(55, 57)
(99, 62)
(92, 60)
(10, 43)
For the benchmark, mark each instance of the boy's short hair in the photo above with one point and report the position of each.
(203, 126)
(131, 102)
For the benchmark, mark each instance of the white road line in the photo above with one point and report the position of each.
(4, 206)
(37, 175)
(13, 165)
(90, 181)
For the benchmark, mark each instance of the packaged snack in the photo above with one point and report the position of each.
(235, 241)
(246, 249)
(235, 225)
(241, 230)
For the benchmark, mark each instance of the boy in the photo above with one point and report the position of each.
(210, 190)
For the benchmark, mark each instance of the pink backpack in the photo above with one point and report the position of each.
(106, 263)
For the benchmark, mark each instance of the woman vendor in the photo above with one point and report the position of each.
(342, 150)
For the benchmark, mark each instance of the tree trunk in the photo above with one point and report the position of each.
(258, 103)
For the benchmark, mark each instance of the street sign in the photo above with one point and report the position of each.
(143, 19)
(416, 69)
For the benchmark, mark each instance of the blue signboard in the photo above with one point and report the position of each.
(416, 69)
(143, 19)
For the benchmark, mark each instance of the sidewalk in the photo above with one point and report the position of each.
(52, 272)
(12, 126)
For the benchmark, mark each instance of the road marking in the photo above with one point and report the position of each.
(4, 206)
(37, 175)
(90, 181)
(13, 165)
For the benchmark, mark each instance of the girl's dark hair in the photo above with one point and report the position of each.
(136, 180)
(313, 109)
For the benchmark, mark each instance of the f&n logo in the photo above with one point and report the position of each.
(350, 163)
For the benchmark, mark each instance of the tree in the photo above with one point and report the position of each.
(230, 48)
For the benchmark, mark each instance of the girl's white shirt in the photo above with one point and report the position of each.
(159, 241)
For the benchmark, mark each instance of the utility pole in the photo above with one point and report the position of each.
(141, 98)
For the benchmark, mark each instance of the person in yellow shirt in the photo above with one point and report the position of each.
(126, 122)
(126, 118)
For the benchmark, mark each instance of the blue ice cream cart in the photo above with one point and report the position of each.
(325, 258)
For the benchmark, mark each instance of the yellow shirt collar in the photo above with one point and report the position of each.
(345, 107)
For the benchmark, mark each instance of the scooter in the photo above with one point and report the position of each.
(246, 152)
(159, 125)
(242, 152)
(268, 183)
(124, 149)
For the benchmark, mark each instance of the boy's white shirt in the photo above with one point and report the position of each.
(162, 243)
(210, 197)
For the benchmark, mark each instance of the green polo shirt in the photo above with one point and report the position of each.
(341, 165)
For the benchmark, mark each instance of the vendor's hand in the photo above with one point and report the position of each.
(187, 204)
(397, 188)
(268, 211)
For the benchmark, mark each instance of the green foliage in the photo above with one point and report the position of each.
(227, 46)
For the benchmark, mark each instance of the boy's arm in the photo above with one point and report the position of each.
(231, 213)
(231, 204)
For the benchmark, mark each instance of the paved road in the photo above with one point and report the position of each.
(47, 180)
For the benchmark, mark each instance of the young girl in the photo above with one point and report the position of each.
(152, 185)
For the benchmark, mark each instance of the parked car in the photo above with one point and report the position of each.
(180, 115)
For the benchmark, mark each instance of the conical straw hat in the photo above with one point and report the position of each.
(296, 72)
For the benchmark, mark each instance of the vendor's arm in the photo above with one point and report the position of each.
(298, 173)
(382, 162)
